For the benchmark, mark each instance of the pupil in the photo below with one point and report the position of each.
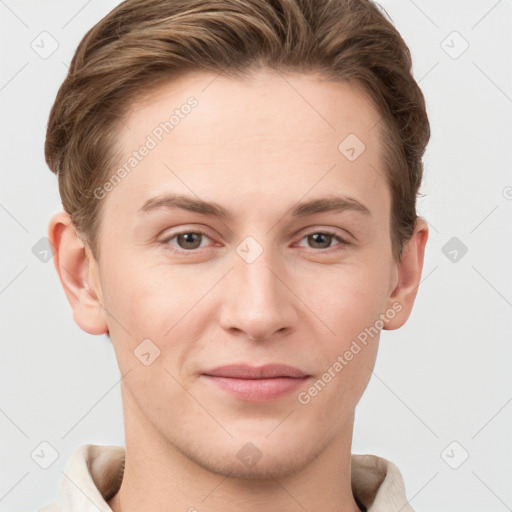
(189, 239)
(321, 235)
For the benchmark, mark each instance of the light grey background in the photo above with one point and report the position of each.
(444, 377)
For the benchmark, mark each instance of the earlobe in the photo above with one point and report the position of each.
(78, 274)
(409, 275)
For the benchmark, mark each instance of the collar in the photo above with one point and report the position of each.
(93, 474)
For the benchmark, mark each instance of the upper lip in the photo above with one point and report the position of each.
(244, 371)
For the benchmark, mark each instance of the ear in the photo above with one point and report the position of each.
(79, 275)
(409, 271)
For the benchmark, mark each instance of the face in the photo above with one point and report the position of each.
(278, 278)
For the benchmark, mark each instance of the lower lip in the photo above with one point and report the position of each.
(257, 390)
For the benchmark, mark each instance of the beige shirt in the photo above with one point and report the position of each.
(94, 473)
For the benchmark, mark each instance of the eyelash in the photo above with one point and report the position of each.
(167, 241)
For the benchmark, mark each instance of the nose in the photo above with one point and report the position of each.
(258, 301)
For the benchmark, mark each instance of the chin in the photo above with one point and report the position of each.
(256, 458)
(266, 468)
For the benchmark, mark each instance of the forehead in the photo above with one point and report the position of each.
(264, 102)
(210, 134)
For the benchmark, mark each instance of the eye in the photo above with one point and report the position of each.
(323, 239)
(187, 240)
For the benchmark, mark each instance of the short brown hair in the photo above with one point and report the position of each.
(142, 44)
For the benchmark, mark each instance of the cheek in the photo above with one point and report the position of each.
(144, 298)
(346, 298)
(155, 302)
(349, 302)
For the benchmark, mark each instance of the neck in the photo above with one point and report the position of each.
(159, 477)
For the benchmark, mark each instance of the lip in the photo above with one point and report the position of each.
(256, 383)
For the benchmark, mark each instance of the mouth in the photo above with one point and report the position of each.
(256, 383)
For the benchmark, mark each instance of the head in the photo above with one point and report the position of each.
(256, 107)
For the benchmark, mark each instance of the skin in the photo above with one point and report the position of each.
(257, 147)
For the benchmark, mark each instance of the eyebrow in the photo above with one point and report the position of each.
(321, 205)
